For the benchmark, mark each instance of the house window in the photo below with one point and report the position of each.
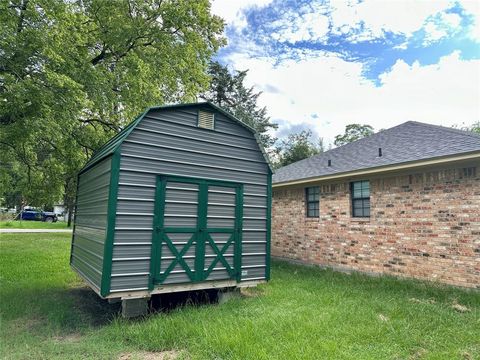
(469, 172)
(360, 192)
(313, 201)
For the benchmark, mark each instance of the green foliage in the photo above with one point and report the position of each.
(475, 128)
(228, 91)
(303, 313)
(72, 73)
(353, 132)
(297, 147)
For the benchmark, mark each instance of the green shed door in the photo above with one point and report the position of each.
(197, 230)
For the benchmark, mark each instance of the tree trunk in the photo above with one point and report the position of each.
(70, 214)
(69, 198)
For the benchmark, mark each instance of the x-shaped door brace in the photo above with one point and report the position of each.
(178, 257)
(220, 255)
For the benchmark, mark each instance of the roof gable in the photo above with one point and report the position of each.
(408, 142)
(115, 142)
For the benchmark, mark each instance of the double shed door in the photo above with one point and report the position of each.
(198, 229)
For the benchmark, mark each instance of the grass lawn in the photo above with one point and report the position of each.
(16, 224)
(303, 313)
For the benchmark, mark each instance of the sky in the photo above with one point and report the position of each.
(324, 64)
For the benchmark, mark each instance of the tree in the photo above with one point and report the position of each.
(297, 147)
(228, 91)
(475, 128)
(73, 73)
(353, 132)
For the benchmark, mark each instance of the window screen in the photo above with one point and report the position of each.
(360, 192)
(313, 201)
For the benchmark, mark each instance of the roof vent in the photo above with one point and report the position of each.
(329, 162)
(379, 152)
(206, 120)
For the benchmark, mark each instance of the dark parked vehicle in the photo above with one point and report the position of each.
(37, 215)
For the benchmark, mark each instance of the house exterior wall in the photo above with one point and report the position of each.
(169, 142)
(423, 225)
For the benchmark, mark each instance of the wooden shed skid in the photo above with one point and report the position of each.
(166, 289)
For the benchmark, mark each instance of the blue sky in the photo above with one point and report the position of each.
(324, 64)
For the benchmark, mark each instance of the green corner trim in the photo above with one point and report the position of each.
(111, 219)
(269, 224)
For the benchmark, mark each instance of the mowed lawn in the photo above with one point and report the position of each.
(16, 224)
(303, 313)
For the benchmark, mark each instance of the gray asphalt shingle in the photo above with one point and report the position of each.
(410, 141)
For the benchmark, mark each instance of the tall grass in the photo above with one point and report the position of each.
(22, 224)
(303, 313)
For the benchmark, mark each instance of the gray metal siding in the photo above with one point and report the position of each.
(91, 222)
(170, 143)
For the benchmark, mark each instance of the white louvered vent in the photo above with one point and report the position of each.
(206, 120)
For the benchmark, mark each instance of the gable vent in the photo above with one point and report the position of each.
(205, 120)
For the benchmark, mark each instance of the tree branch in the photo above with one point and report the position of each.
(103, 122)
(21, 18)
(100, 57)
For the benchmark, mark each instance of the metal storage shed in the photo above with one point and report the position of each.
(179, 200)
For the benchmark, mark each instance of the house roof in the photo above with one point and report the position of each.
(409, 142)
(114, 143)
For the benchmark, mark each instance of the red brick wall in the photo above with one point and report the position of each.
(425, 225)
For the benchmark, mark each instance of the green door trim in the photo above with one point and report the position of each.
(200, 234)
(202, 208)
(159, 208)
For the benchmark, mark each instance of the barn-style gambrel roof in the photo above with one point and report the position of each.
(115, 142)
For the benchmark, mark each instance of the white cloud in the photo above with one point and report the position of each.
(231, 10)
(472, 7)
(378, 16)
(446, 93)
(365, 20)
(309, 23)
(441, 26)
(369, 19)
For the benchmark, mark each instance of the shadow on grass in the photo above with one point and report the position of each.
(62, 311)
(73, 310)
(93, 310)
(172, 301)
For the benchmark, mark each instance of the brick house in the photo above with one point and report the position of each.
(404, 201)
